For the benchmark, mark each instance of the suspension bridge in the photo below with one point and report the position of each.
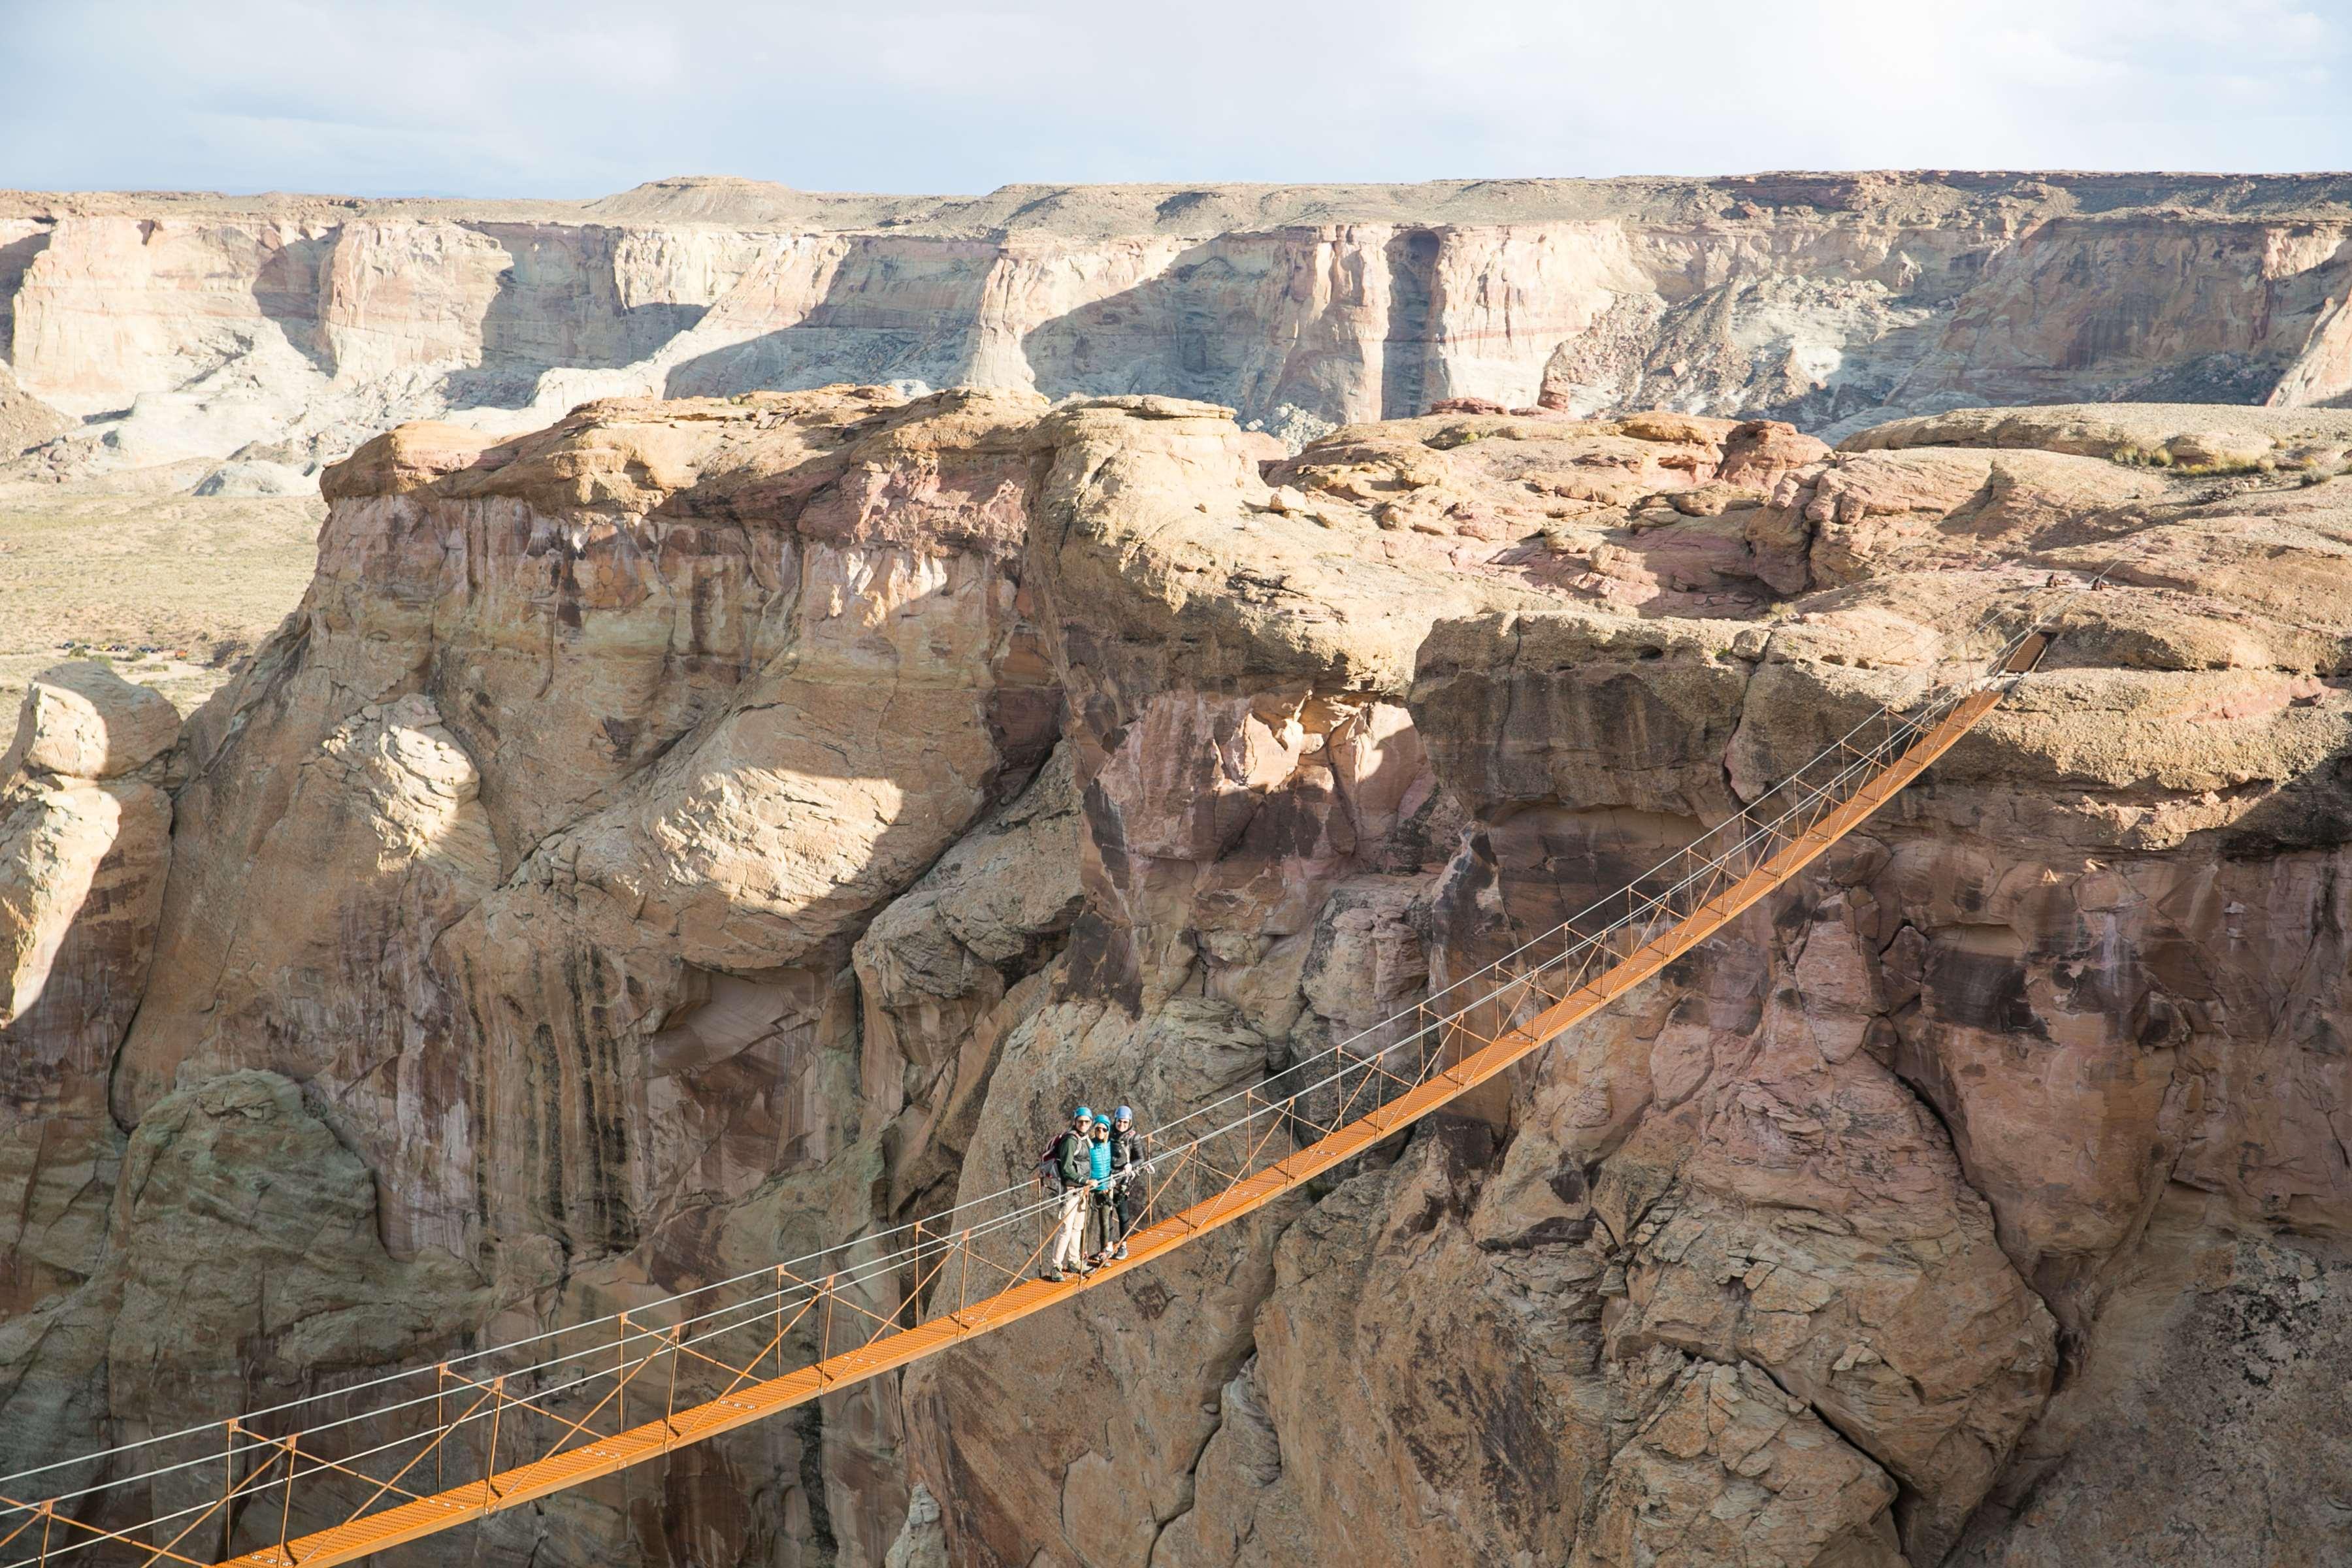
(351, 1471)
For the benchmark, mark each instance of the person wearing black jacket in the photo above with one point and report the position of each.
(1126, 1156)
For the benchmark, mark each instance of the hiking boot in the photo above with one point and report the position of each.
(1120, 1255)
(1054, 1275)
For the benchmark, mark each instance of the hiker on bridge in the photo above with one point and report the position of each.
(1068, 1168)
(1126, 1146)
(1102, 1201)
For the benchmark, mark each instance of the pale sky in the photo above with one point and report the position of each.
(491, 98)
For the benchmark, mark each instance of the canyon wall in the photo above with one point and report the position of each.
(282, 331)
(703, 829)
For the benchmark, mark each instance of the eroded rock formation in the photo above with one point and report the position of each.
(85, 842)
(281, 332)
(702, 829)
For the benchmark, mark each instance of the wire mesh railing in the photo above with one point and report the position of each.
(337, 1475)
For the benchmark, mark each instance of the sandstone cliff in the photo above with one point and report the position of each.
(283, 330)
(703, 828)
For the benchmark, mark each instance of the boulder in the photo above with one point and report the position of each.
(83, 721)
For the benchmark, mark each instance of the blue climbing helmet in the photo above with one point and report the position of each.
(1126, 1113)
(1082, 1114)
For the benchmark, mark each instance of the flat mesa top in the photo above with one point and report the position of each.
(1931, 197)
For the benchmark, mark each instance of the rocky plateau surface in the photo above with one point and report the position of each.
(703, 828)
(270, 335)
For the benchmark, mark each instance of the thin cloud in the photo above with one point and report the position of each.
(478, 98)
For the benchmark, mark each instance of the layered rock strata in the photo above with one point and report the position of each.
(284, 331)
(707, 828)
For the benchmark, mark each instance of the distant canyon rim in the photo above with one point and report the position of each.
(271, 334)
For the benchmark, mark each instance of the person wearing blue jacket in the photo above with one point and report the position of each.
(1100, 1188)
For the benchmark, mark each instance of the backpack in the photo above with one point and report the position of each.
(1053, 1171)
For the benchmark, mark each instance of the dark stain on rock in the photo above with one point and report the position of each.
(1557, 1230)
(701, 613)
(1976, 977)
(1151, 1298)
(825, 1547)
(545, 1133)
(1102, 963)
